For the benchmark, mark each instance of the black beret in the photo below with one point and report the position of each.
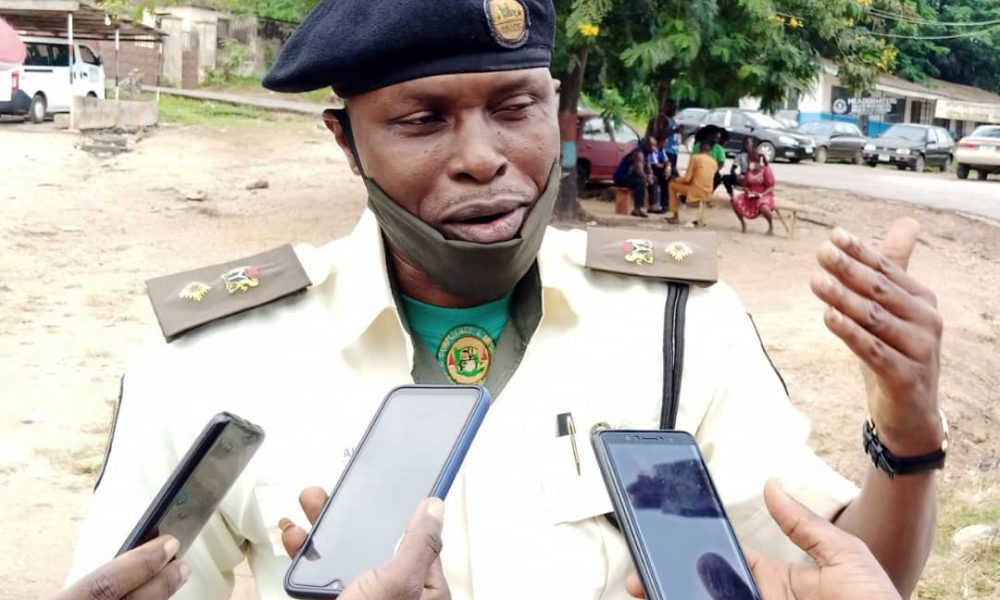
(355, 46)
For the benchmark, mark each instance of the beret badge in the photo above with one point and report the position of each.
(508, 21)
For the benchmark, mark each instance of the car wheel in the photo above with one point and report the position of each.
(38, 109)
(91, 95)
(821, 155)
(946, 166)
(582, 175)
(982, 175)
(963, 171)
(920, 165)
(872, 163)
(766, 149)
(859, 157)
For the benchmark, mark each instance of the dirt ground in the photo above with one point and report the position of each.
(81, 233)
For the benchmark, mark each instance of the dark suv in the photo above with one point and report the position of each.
(911, 146)
(774, 140)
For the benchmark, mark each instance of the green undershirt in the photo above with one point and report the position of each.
(431, 323)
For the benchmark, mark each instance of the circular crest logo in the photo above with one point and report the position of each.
(465, 354)
(840, 106)
(508, 21)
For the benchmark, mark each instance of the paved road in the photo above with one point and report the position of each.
(933, 189)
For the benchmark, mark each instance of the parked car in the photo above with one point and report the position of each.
(774, 140)
(979, 150)
(911, 146)
(835, 139)
(688, 121)
(45, 83)
(601, 144)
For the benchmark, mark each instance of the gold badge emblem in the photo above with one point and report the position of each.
(679, 251)
(195, 291)
(508, 20)
(465, 354)
(241, 279)
(639, 252)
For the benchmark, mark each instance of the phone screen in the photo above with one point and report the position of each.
(399, 463)
(681, 528)
(201, 481)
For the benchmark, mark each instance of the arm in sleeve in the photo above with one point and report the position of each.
(751, 432)
(140, 458)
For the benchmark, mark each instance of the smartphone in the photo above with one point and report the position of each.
(412, 449)
(201, 480)
(674, 523)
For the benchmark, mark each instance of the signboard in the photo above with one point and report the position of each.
(967, 111)
(864, 106)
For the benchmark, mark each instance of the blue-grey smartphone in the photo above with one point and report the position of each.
(670, 514)
(198, 484)
(412, 449)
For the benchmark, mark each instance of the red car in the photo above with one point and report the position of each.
(601, 144)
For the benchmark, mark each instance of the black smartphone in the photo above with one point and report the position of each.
(412, 449)
(670, 513)
(198, 484)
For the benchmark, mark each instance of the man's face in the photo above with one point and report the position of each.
(469, 154)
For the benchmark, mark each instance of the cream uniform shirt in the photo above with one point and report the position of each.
(311, 370)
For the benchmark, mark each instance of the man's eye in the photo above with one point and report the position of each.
(517, 105)
(420, 119)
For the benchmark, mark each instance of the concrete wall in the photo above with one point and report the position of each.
(132, 55)
(94, 113)
(173, 50)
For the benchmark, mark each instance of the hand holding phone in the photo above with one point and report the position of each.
(148, 571)
(412, 449)
(416, 561)
(673, 521)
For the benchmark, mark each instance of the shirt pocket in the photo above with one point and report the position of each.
(571, 496)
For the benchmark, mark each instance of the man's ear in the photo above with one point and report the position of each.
(331, 122)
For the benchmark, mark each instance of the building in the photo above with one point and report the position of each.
(202, 38)
(957, 108)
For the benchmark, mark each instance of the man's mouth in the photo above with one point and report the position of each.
(486, 222)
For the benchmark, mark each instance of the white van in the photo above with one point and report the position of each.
(45, 83)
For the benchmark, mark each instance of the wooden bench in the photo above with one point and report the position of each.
(790, 209)
(623, 200)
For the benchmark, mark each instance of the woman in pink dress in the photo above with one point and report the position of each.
(757, 196)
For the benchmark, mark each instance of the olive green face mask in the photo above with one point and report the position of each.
(479, 272)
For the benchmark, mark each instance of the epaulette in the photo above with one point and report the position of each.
(668, 255)
(185, 301)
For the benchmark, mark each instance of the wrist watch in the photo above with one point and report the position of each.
(892, 464)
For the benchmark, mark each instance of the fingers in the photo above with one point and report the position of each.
(884, 360)
(422, 543)
(872, 316)
(165, 584)
(817, 537)
(129, 571)
(292, 537)
(634, 585)
(312, 500)
(892, 261)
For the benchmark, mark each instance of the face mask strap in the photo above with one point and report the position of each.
(345, 125)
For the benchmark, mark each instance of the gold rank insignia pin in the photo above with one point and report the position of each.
(639, 252)
(195, 291)
(679, 251)
(241, 279)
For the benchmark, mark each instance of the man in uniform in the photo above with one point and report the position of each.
(454, 253)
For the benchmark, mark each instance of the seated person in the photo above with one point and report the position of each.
(757, 196)
(662, 169)
(716, 137)
(697, 181)
(741, 165)
(634, 173)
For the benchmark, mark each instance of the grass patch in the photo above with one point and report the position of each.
(188, 111)
(252, 84)
(971, 573)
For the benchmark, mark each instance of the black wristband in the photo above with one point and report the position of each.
(893, 465)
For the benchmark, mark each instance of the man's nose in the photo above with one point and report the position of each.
(477, 155)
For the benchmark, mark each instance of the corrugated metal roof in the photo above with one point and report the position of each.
(48, 18)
